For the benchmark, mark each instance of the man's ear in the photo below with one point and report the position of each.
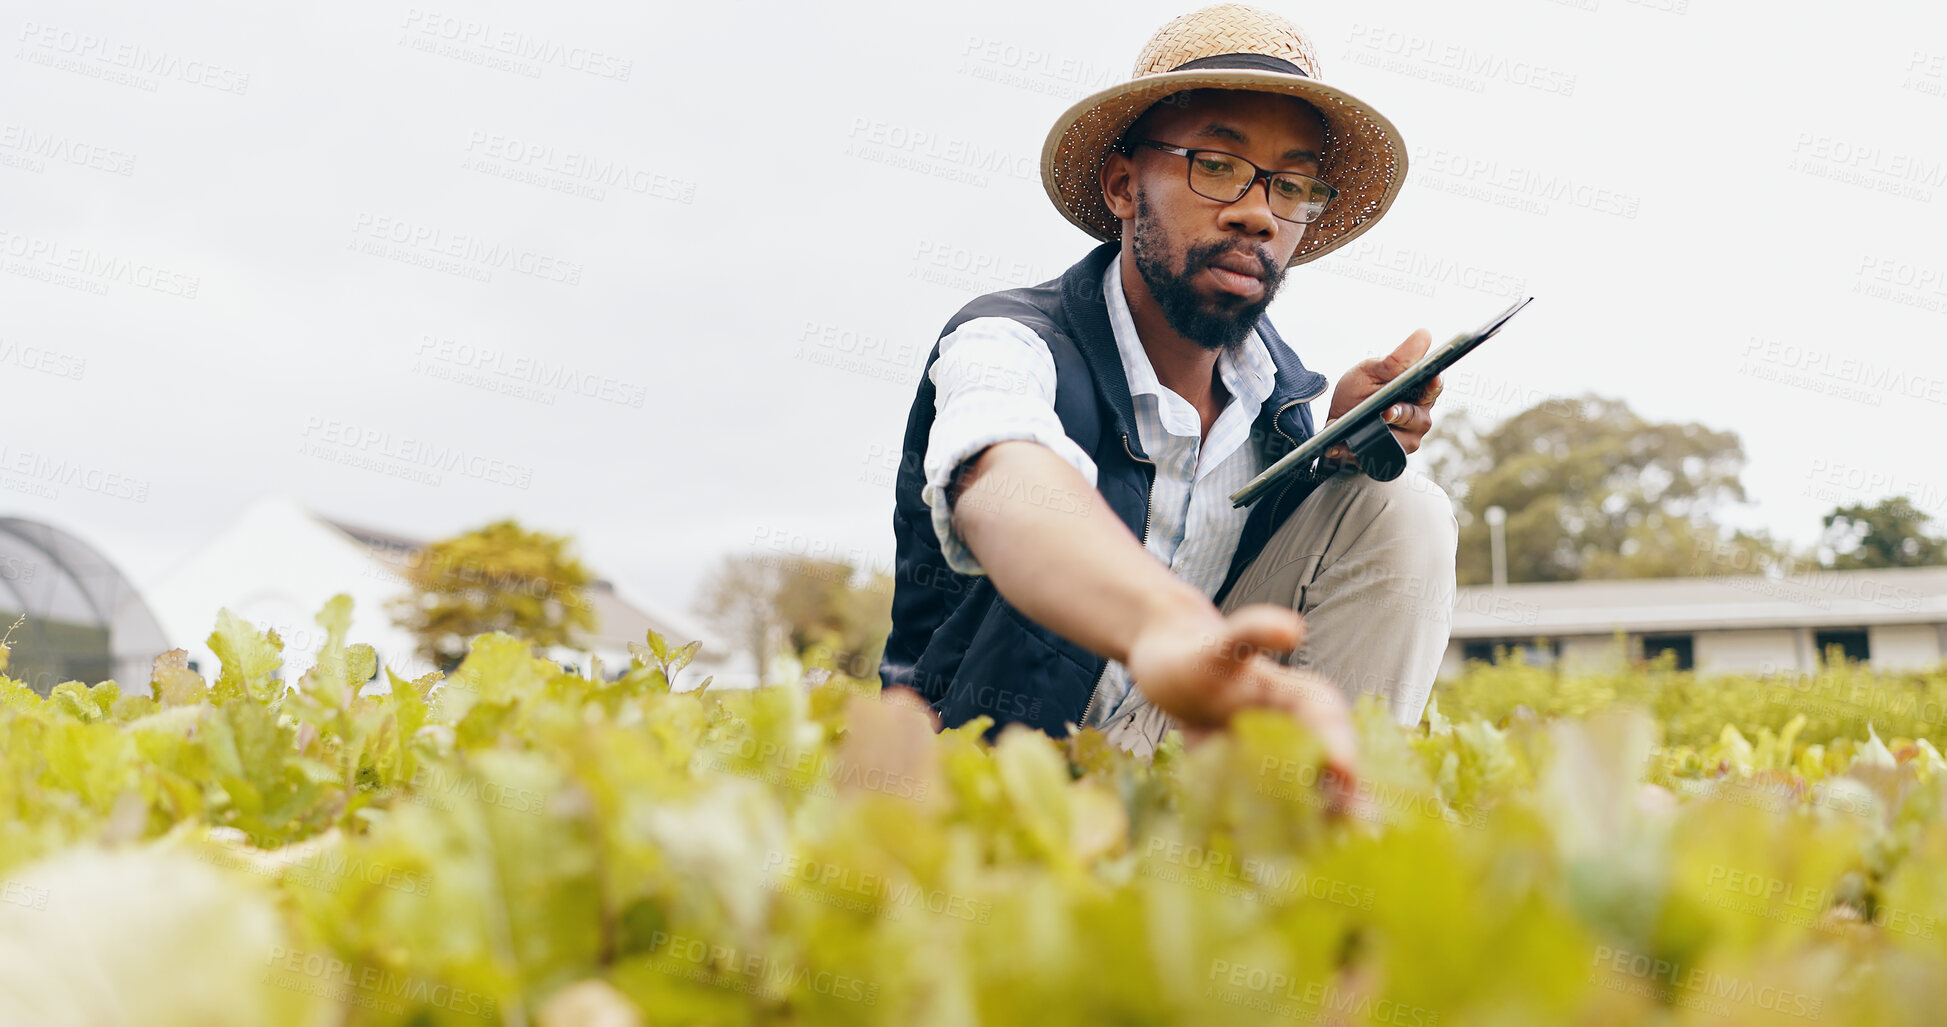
(1119, 185)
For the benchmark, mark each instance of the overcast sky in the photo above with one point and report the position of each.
(307, 249)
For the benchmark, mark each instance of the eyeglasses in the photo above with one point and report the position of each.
(1226, 177)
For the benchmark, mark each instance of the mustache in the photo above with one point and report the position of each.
(1201, 257)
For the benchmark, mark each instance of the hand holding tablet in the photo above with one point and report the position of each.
(1363, 428)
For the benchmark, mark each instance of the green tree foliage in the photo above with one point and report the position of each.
(816, 609)
(1592, 490)
(501, 577)
(835, 616)
(1890, 533)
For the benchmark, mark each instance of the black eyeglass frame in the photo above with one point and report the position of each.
(1258, 174)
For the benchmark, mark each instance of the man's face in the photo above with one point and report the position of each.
(1212, 266)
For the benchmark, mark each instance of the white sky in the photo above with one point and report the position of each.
(1782, 274)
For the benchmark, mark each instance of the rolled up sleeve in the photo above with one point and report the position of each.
(994, 381)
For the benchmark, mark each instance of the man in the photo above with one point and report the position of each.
(1067, 553)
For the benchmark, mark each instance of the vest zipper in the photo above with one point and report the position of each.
(1104, 676)
(1274, 423)
(1291, 479)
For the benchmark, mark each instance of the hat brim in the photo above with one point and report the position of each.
(1364, 157)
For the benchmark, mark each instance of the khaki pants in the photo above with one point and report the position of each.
(1370, 565)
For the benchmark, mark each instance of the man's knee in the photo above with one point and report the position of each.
(1411, 514)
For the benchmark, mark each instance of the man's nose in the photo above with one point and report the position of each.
(1251, 213)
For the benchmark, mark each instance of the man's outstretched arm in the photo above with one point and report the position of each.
(1059, 554)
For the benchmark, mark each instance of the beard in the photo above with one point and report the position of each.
(1222, 323)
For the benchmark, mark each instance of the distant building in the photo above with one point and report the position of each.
(1888, 619)
(83, 621)
(279, 563)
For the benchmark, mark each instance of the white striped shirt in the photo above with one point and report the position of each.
(995, 381)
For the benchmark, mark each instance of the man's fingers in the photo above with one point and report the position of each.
(1409, 419)
(1432, 391)
(1267, 626)
(1406, 355)
(1322, 707)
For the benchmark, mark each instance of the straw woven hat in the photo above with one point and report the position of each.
(1230, 46)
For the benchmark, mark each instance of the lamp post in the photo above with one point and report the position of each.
(1497, 531)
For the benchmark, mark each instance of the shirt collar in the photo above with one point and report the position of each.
(1248, 373)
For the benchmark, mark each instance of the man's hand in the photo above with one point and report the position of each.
(1204, 667)
(1409, 421)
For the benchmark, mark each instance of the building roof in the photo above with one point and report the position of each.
(1809, 597)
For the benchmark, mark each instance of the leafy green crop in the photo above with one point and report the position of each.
(513, 844)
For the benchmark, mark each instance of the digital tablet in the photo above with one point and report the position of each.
(1363, 428)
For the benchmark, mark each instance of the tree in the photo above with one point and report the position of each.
(501, 577)
(1592, 490)
(739, 600)
(808, 607)
(1890, 533)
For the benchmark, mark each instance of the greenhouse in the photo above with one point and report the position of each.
(74, 616)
